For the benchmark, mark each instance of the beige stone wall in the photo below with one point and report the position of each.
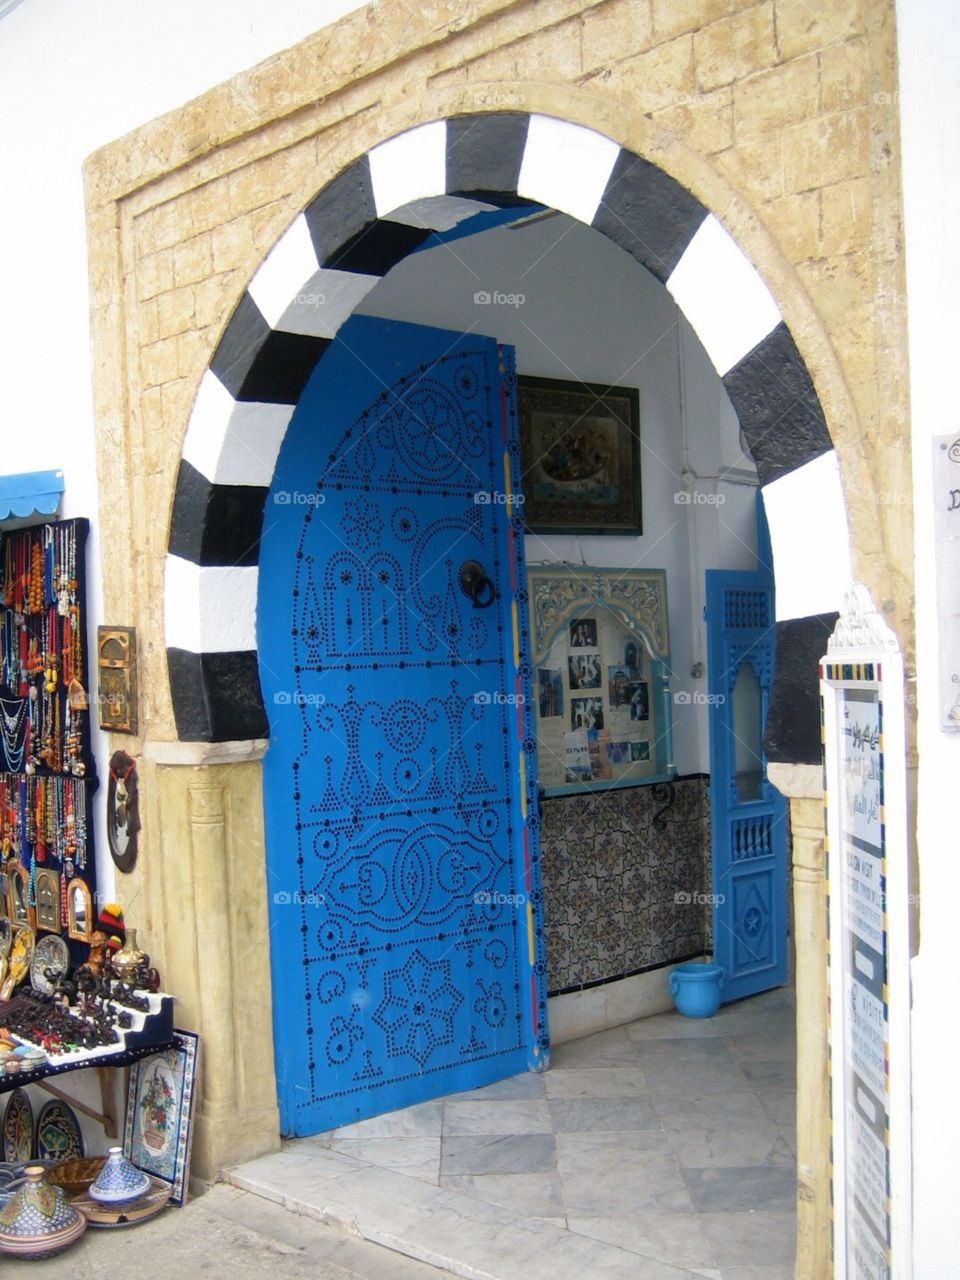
(780, 116)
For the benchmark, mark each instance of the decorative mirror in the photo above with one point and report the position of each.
(18, 888)
(6, 935)
(47, 890)
(123, 810)
(79, 911)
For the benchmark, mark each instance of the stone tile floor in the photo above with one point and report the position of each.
(659, 1150)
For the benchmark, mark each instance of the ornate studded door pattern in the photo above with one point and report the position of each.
(405, 938)
(748, 814)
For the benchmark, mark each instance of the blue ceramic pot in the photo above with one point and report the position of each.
(696, 988)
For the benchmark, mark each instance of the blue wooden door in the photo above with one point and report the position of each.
(748, 815)
(404, 930)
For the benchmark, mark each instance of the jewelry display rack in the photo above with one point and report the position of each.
(47, 769)
(47, 781)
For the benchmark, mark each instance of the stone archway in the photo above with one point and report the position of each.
(786, 128)
(336, 251)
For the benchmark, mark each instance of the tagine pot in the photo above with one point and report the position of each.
(39, 1220)
(119, 1181)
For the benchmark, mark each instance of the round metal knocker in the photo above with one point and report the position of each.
(476, 585)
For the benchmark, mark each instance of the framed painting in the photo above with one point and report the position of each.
(580, 444)
(158, 1128)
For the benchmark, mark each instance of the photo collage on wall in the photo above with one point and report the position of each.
(593, 694)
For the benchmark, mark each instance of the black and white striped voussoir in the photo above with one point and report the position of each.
(358, 228)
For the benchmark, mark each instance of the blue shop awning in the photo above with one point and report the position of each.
(28, 497)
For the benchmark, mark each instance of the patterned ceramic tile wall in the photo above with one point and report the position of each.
(612, 865)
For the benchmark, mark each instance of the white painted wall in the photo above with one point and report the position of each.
(929, 55)
(74, 76)
(591, 313)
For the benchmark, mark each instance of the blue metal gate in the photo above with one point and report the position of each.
(405, 940)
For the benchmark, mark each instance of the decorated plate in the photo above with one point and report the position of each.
(20, 954)
(58, 1133)
(50, 955)
(18, 1127)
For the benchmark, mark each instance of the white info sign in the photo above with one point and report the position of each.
(861, 687)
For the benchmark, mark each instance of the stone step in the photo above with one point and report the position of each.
(447, 1229)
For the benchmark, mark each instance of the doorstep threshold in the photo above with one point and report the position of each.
(458, 1233)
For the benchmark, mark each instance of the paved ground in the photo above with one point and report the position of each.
(226, 1234)
(662, 1150)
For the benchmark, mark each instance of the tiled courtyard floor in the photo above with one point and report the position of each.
(656, 1151)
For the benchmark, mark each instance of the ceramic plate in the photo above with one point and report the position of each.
(18, 1127)
(58, 1133)
(19, 965)
(50, 954)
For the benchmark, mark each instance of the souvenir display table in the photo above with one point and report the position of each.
(151, 1032)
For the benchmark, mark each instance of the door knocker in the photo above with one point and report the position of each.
(476, 585)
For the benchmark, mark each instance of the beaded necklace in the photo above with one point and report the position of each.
(12, 719)
(80, 832)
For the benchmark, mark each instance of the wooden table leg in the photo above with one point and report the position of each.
(108, 1101)
(107, 1116)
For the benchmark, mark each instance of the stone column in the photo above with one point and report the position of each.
(209, 871)
(208, 846)
(803, 786)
